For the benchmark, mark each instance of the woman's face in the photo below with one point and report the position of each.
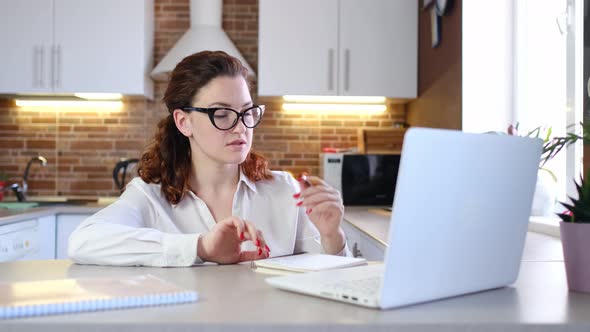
(222, 146)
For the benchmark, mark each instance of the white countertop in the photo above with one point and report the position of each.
(8, 216)
(374, 222)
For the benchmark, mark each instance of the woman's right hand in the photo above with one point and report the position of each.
(222, 244)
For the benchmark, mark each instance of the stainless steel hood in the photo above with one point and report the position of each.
(205, 33)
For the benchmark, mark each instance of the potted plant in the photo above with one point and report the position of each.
(546, 188)
(575, 238)
(575, 221)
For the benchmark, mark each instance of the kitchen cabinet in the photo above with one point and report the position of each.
(338, 47)
(361, 245)
(46, 226)
(66, 224)
(65, 46)
(29, 239)
(25, 35)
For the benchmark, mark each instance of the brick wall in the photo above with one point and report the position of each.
(83, 147)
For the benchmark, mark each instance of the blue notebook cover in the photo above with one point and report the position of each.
(49, 297)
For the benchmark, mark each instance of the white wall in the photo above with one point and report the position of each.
(487, 65)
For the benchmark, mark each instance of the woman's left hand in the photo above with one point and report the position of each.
(323, 205)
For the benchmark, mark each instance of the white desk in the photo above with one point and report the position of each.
(234, 298)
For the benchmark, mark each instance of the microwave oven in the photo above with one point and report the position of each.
(362, 179)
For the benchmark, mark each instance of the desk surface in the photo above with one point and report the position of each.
(234, 298)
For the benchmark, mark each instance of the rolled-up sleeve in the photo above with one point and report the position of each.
(120, 234)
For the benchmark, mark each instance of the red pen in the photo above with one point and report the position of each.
(304, 181)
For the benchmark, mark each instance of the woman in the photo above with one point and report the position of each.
(202, 194)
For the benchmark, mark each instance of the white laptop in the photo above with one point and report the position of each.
(460, 214)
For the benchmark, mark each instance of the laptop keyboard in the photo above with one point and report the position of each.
(367, 286)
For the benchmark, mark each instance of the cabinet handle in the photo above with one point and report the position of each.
(346, 69)
(58, 82)
(331, 69)
(356, 252)
(35, 66)
(42, 66)
(53, 59)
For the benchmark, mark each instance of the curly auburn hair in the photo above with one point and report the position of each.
(167, 160)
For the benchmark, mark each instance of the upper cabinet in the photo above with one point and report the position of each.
(338, 47)
(26, 36)
(68, 46)
(297, 47)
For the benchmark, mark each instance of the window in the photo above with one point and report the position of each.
(522, 62)
(547, 78)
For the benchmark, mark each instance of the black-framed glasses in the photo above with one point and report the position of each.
(224, 118)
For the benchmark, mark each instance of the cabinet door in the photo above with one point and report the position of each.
(379, 48)
(362, 245)
(66, 224)
(47, 236)
(26, 45)
(298, 48)
(99, 46)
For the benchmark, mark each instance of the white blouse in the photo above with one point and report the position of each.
(143, 228)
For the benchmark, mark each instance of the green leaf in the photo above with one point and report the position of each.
(565, 217)
(581, 214)
(534, 132)
(549, 172)
(580, 211)
(548, 135)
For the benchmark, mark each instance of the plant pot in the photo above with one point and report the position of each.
(2, 185)
(545, 194)
(575, 239)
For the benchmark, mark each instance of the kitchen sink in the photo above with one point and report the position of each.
(18, 205)
(40, 203)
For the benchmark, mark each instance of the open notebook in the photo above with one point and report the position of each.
(48, 297)
(306, 263)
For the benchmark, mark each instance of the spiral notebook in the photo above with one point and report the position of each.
(49, 297)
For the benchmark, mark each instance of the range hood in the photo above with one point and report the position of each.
(205, 33)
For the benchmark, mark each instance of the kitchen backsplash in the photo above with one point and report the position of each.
(83, 147)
